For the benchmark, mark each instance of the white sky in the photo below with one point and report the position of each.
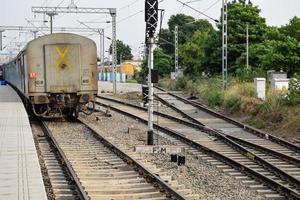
(130, 30)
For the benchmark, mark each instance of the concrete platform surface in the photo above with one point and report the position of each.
(20, 173)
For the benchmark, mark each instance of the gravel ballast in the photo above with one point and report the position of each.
(202, 178)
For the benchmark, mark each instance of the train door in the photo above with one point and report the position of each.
(63, 66)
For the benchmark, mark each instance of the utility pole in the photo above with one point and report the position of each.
(113, 13)
(101, 46)
(176, 50)
(51, 14)
(1, 31)
(224, 44)
(34, 33)
(151, 18)
(247, 46)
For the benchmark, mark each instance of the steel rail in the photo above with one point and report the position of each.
(63, 157)
(195, 125)
(149, 176)
(200, 126)
(250, 155)
(279, 155)
(250, 129)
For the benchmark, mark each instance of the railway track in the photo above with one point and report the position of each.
(58, 176)
(201, 114)
(102, 169)
(271, 172)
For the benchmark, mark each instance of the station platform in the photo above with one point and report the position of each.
(20, 173)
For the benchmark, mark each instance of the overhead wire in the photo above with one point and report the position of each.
(196, 10)
(130, 16)
(120, 9)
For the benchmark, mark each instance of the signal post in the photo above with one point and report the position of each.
(151, 18)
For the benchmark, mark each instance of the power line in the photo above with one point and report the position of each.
(209, 7)
(130, 16)
(120, 9)
(192, 1)
(200, 12)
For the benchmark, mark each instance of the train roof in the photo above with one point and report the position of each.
(48, 37)
(57, 35)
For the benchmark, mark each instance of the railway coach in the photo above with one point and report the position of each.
(57, 74)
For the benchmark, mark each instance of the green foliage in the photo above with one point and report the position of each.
(281, 55)
(293, 96)
(187, 27)
(214, 98)
(248, 74)
(193, 53)
(292, 29)
(232, 102)
(201, 45)
(123, 51)
(181, 82)
(131, 81)
(162, 62)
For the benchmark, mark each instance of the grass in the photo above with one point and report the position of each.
(131, 81)
(273, 114)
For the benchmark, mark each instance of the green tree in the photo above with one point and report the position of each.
(239, 15)
(292, 29)
(187, 26)
(162, 62)
(123, 51)
(193, 52)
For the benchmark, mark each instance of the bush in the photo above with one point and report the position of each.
(293, 95)
(214, 98)
(232, 101)
(248, 74)
(181, 82)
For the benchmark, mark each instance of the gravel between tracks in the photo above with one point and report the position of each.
(201, 177)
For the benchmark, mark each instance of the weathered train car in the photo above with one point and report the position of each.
(57, 73)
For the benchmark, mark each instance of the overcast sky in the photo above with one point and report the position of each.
(129, 29)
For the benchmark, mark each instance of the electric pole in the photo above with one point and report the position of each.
(51, 14)
(247, 46)
(151, 18)
(176, 50)
(1, 31)
(224, 44)
(34, 33)
(113, 13)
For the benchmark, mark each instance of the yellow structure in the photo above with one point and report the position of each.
(127, 69)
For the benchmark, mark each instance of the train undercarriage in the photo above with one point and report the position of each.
(61, 105)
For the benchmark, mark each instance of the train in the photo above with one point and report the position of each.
(56, 74)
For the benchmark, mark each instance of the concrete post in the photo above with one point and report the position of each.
(260, 88)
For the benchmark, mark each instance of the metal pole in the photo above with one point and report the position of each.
(247, 46)
(102, 53)
(150, 94)
(51, 21)
(176, 50)
(1, 48)
(113, 13)
(101, 45)
(224, 44)
(34, 34)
